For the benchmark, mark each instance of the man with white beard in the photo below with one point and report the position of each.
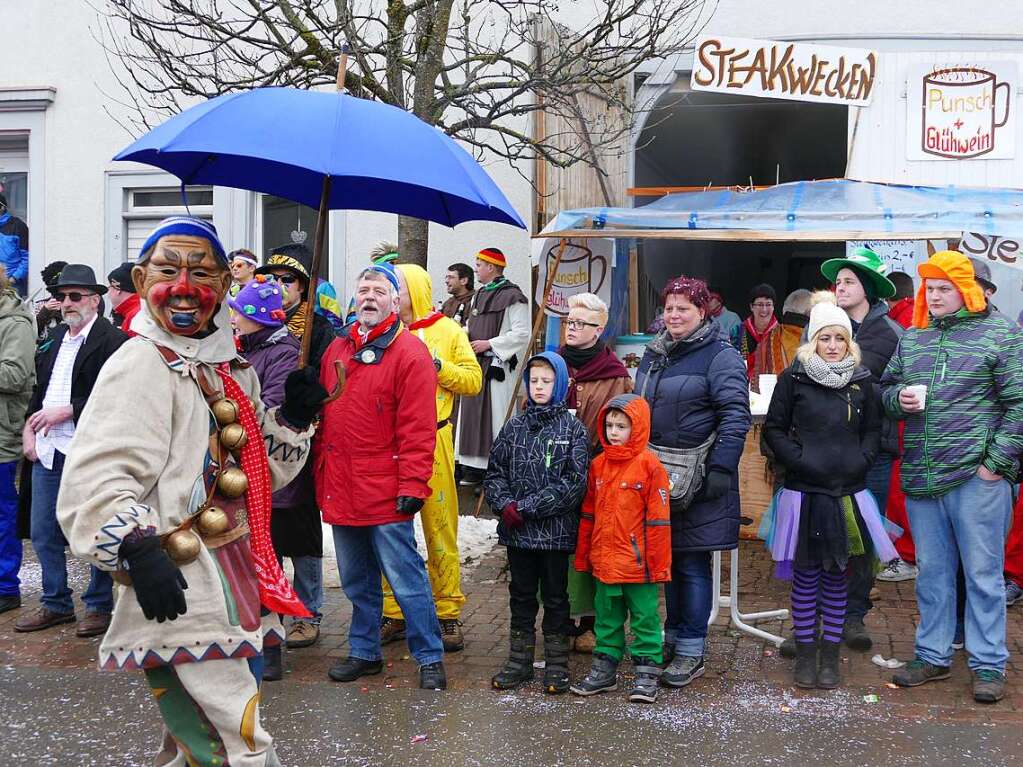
(67, 366)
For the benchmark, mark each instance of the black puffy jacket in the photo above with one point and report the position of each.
(877, 337)
(825, 438)
(694, 387)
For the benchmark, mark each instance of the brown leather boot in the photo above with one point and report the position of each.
(42, 618)
(93, 625)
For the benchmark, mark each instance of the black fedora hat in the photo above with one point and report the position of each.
(77, 276)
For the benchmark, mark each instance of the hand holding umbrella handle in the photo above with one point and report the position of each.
(339, 387)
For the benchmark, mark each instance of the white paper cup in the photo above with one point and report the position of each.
(920, 390)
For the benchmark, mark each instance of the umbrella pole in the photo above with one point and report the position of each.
(314, 275)
(532, 340)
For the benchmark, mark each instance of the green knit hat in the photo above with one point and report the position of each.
(868, 267)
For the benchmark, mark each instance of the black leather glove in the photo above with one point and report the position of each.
(159, 584)
(303, 397)
(408, 505)
(716, 484)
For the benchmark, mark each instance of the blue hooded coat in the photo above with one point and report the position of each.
(540, 461)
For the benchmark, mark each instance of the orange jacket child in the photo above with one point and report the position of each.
(625, 541)
(625, 532)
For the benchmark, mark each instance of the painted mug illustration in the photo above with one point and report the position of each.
(580, 271)
(960, 111)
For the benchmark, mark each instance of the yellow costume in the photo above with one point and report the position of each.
(458, 375)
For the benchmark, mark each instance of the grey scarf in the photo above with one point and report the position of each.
(833, 375)
(664, 344)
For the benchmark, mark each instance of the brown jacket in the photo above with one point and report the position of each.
(591, 397)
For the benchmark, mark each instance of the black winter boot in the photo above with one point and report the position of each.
(518, 669)
(827, 676)
(805, 673)
(602, 677)
(647, 674)
(273, 663)
(555, 675)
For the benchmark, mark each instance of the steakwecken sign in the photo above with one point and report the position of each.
(779, 70)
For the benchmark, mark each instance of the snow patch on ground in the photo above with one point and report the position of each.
(476, 537)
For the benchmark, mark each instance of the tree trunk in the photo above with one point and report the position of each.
(413, 238)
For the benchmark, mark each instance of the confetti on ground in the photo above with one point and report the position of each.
(871, 698)
(419, 738)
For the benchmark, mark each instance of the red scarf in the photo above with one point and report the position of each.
(425, 322)
(275, 591)
(758, 338)
(379, 330)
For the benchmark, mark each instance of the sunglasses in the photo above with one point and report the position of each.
(74, 295)
(287, 279)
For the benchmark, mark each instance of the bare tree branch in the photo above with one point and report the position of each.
(478, 69)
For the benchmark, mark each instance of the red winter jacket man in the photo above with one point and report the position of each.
(373, 463)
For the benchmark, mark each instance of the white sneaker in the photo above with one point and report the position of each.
(897, 570)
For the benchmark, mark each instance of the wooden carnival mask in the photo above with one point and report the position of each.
(183, 283)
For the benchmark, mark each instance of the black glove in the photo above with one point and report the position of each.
(716, 484)
(158, 582)
(408, 505)
(303, 397)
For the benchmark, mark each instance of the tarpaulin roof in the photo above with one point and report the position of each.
(839, 209)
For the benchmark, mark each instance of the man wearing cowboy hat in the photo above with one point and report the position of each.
(67, 367)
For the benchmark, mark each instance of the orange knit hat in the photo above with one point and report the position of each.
(953, 266)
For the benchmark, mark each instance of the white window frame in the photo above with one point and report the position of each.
(119, 187)
(23, 110)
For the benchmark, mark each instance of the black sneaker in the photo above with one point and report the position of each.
(920, 672)
(682, 670)
(10, 603)
(350, 669)
(856, 636)
(432, 677)
(602, 676)
(273, 664)
(988, 685)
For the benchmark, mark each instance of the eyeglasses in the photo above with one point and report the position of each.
(74, 295)
(579, 324)
(761, 305)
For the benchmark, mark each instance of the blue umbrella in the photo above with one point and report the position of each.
(285, 142)
(328, 151)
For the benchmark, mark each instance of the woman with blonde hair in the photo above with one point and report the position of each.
(824, 426)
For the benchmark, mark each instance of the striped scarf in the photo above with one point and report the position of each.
(296, 322)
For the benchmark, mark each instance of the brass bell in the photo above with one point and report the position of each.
(225, 411)
(232, 482)
(182, 546)
(213, 521)
(233, 436)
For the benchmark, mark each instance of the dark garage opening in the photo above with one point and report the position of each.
(701, 139)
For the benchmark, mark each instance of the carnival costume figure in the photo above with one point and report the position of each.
(172, 494)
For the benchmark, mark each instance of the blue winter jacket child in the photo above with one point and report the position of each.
(540, 461)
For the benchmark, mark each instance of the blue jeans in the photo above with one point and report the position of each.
(48, 542)
(309, 585)
(10, 543)
(363, 555)
(969, 523)
(688, 599)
